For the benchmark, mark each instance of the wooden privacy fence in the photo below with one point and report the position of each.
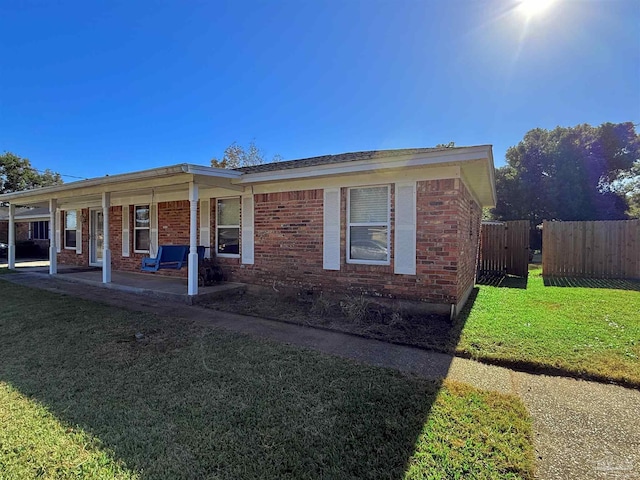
(599, 249)
(504, 248)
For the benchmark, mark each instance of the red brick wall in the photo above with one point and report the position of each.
(437, 242)
(22, 231)
(469, 238)
(288, 240)
(22, 234)
(288, 246)
(173, 229)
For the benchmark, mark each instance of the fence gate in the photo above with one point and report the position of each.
(504, 248)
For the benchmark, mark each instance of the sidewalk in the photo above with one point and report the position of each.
(583, 430)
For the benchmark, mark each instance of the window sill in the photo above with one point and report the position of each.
(368, 262)
(228, 255)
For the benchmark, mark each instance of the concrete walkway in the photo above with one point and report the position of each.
(583, 430)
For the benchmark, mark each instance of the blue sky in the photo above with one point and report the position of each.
(90, 88)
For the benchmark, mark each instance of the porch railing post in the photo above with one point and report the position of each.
(53, 247)
(192, 288)
(106, 252)
(11, 254)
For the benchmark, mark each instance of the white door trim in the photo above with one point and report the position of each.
(92, 237)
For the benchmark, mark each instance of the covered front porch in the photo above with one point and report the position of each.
(106, 229)
(149, 285)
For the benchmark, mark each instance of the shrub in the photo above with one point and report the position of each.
(355, 308)
(321, 306)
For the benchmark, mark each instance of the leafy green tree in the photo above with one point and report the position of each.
(568, 173)
(17, 174)
(628, 185)
(236, 156)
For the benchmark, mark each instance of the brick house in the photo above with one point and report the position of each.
(397, 223)
(31, 225)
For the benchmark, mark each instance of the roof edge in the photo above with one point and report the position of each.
(428, 157)
(178, 169)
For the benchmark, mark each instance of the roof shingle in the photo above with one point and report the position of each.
(339, 158)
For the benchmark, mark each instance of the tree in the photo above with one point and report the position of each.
(17, 174)
(628, 184)
(568, 173)
(235, 156)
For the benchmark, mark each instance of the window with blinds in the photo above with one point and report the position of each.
(70, 224)
(142, 228)
(368, 225)
(228, 227)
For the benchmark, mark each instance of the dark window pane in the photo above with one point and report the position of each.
(142, 240)
(369, 243)
(42, 230)
(229, 240)
(70, 238)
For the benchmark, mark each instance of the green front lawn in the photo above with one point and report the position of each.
(81, 397)
(591, 332)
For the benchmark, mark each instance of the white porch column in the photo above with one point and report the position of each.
(12, 236)
(53, 219)
(193, 239)
(106, 252)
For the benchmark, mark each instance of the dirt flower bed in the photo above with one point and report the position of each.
(355, 314)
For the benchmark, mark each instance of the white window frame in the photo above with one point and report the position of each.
(369, 224)
(67, 212)
(136, 228)
(218, 227)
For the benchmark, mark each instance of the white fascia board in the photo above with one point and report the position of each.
(210, 171)
(96, 182)
(102, 183)
(454, 156)
(32, 218)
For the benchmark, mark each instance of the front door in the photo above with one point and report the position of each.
(96, 237)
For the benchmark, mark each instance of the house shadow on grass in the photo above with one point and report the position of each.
(610, 283)
(494, 279)
(184, 401)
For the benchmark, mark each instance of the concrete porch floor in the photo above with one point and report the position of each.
(141, 283)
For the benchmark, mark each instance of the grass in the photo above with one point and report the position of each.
(83, 398)
(586, 332)
(580, 328)
(5, 270)
(34, 444)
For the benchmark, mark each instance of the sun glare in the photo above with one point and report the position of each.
(532, 8)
